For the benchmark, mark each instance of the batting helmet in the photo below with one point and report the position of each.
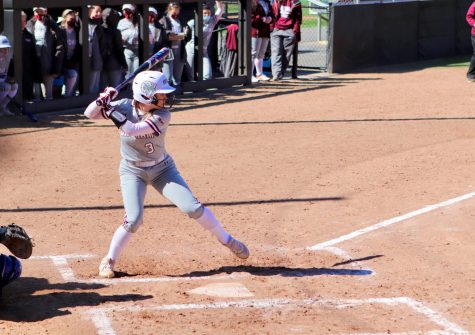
(149, 83)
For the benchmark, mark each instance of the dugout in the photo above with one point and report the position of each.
(10, 11)
(385, 33)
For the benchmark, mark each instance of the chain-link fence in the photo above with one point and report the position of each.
(312, 48)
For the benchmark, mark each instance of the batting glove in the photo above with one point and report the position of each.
(107, 96)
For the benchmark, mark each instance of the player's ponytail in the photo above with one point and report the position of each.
(139, 106)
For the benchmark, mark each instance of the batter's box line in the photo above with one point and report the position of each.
(386, 223)
(100, 315)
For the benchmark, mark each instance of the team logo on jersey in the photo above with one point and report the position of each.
(148, 88)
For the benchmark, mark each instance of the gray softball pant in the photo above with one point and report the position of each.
(166, 179)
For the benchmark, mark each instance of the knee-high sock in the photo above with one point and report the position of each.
(256, 66)
(119, 241)
(259, 66)
(209, 222)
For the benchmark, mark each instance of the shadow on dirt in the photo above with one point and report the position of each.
(357, 260)
(217, 203)
(209, 98)
(20, 303)
(282, 271)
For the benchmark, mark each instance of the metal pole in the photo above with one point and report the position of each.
(144, 43)
(295, 60)
(199, 38)
(84, 41)
(244, 49)
(319, 27)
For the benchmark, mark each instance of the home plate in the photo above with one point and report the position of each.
(223, 290)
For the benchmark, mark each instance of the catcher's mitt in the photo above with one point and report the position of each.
(16, 240)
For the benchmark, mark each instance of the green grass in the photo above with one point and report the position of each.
(308, 21)
(457, 61)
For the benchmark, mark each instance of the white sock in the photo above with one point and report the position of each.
(259, 66)
(119, 241)
(258, 69)
(209, 222)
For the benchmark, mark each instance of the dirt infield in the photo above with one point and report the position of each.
(354, 194)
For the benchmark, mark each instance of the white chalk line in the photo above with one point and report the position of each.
(391, 221)
(62, 265)
(102, 322)
(67, 256)
(100, 318)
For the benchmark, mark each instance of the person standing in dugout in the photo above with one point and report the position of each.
(143, 123)
(286, 33)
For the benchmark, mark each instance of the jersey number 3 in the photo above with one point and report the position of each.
(150, 148)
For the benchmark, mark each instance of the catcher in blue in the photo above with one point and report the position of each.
(143, 123)
(19, 244)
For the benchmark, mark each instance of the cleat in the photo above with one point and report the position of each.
(238, 248)
(106, 269)
(263, 77)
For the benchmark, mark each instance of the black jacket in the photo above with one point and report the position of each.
(75, 60)
(52, 53)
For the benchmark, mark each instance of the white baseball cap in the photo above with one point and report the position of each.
(128, 6)
(4, 42)
(153, 10)
(147, 83)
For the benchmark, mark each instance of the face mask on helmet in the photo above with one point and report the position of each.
(164, 102)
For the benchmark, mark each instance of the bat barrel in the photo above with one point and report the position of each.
(152, 61)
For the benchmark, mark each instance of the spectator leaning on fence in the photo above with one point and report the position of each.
(49, 47)
(177, 35)
(8, 86)
(69, 31)
(115, 65)
(471, 21)
(129, 28)
(31, 68)
(209, 22)
(261, 19)
(286, 33)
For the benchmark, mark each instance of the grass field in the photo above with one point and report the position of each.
(309, 20)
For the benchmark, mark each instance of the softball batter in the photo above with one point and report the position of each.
(143, 123)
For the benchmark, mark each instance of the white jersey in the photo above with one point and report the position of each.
(148, 147)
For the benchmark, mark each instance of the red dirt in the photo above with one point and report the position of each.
(284, 166)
